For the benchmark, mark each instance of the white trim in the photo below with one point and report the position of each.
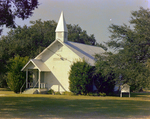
(57, 40)
(27, 78)
(39, 79)
(37, 63)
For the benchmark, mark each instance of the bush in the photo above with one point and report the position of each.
(67, 93)
(102, 94)
(57, 93)
(92, 94)
(104, 84)
(51, 91)
(80, 78)
(96, 94)
(15, 77)
(3, 83)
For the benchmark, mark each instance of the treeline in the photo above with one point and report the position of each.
(30, 41)
(129, 64)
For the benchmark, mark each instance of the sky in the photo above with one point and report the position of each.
(94, 16)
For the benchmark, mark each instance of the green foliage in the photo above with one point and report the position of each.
(102, 46)
(57, 93)
(80, 77)
(51, 91)
(76, 34)
(32, 40)
(104, 75)
(5, 89)
(129, 63)
(3, 83)
(67, 93)
(96, 94)
(16, 78)
(102, 94)
(92, 94)
(16, 8)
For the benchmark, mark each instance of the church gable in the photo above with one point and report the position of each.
(57, 51)
(59, 54)
(53, 63)
(56, 46)
(30, 65)
(36, 64)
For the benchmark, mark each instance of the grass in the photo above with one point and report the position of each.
(62, 106)
(5, 89)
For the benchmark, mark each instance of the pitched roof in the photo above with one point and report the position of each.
(38, 64)
(82, 50)
(37, 57)
(61, 26)
(85, 51)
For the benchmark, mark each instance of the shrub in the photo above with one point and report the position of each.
(104, 84)
(80, 77)
(67, 93)
(92, 94)
(3, 83)
(15, 77)
(96, 94)
(51, 91)
(57, 93)
(102, 94)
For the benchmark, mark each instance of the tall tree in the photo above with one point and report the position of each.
(76, 34)
(104, 75)
(30, 41)
(10, 9)
(132, 46)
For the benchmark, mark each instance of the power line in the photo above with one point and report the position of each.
(62, 58)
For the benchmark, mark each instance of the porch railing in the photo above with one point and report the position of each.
(42, 85)
(22, 87)
(35, 84)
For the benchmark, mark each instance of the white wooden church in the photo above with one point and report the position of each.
(51, 67)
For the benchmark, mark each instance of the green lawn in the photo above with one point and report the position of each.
(61, 106)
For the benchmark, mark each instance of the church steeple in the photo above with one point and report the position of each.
(61, 29)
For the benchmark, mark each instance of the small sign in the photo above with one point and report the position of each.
(125, 89)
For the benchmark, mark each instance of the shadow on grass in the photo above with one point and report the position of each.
(51, 107)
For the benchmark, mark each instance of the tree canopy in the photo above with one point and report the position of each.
(30, 41)
(103, 75)
(10, 9)
(132, 46)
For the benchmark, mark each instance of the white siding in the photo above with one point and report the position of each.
(58, 59)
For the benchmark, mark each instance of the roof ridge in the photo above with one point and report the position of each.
(84, 44)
